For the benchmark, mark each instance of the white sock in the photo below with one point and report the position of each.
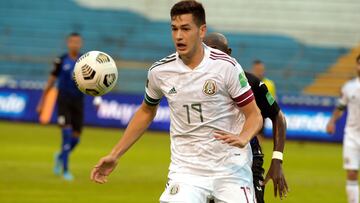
(352, 191)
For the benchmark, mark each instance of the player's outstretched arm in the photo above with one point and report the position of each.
(252, 125)
(275, 171)
(137, 126)
(49, 84)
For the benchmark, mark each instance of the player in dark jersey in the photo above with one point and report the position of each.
(269, 109)
(70, 103)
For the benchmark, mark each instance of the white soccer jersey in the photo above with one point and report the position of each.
(202, 100)
(350, 97)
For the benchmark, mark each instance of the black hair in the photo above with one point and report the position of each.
(189, 7)
(74, 34)
(257, 61)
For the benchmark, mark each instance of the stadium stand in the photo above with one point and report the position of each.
(32, 34)
(331, 81)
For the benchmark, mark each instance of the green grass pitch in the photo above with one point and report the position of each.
(313, 170)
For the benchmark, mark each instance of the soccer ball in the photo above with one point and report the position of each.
(95, 73)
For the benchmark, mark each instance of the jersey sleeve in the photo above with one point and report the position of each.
(267, 104)
(343, 100)
(57, 67)
(153, 93)
(238, 86)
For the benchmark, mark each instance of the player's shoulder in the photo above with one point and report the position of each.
(60, 58)
(350, 84)
(252, 79)
(168, 60)
(220, 57)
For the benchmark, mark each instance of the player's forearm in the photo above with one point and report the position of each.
(337, 113)
(252, 125)
(49, 84)
(135, 129)
(279, 132)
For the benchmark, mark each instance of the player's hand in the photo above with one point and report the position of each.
(230, 139)
(103, 169)
(330, 127)
(275, 173)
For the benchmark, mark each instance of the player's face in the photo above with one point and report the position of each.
(187, 35)
(74, 44)
(259, 70)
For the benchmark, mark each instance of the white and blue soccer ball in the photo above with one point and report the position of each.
(95, 73)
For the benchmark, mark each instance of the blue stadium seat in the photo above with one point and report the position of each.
(38, 28)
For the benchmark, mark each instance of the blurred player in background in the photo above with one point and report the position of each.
(258, 69)
(350, 99)
(210, 151)
(269, 109)
(70, 103)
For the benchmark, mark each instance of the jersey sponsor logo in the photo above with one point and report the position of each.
(172, 91)
(174, 189)
(210, 87)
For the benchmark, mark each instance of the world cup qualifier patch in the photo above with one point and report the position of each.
(210, 87)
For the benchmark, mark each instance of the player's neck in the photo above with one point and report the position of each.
(194, 59)
(73, 55)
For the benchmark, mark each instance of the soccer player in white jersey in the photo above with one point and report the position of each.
(350, 98)
(213, 117)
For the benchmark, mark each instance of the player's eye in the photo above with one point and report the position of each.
(174, 28)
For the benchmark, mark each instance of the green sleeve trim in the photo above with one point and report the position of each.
(150, 101)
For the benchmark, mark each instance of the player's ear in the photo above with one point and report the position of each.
(203, 30)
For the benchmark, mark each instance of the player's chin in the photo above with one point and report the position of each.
(184, 54)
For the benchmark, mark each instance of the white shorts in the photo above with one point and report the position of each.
(184, 188)
(351, 153)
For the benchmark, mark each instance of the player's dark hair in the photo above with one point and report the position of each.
(189, 7)
(257, 61)
(74, 34)
(358, 59)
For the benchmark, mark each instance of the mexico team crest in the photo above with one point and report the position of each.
(174, 189)
(210, 87)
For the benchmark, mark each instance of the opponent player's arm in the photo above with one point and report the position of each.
(49, 84)
(275, 171)
(279, 131)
